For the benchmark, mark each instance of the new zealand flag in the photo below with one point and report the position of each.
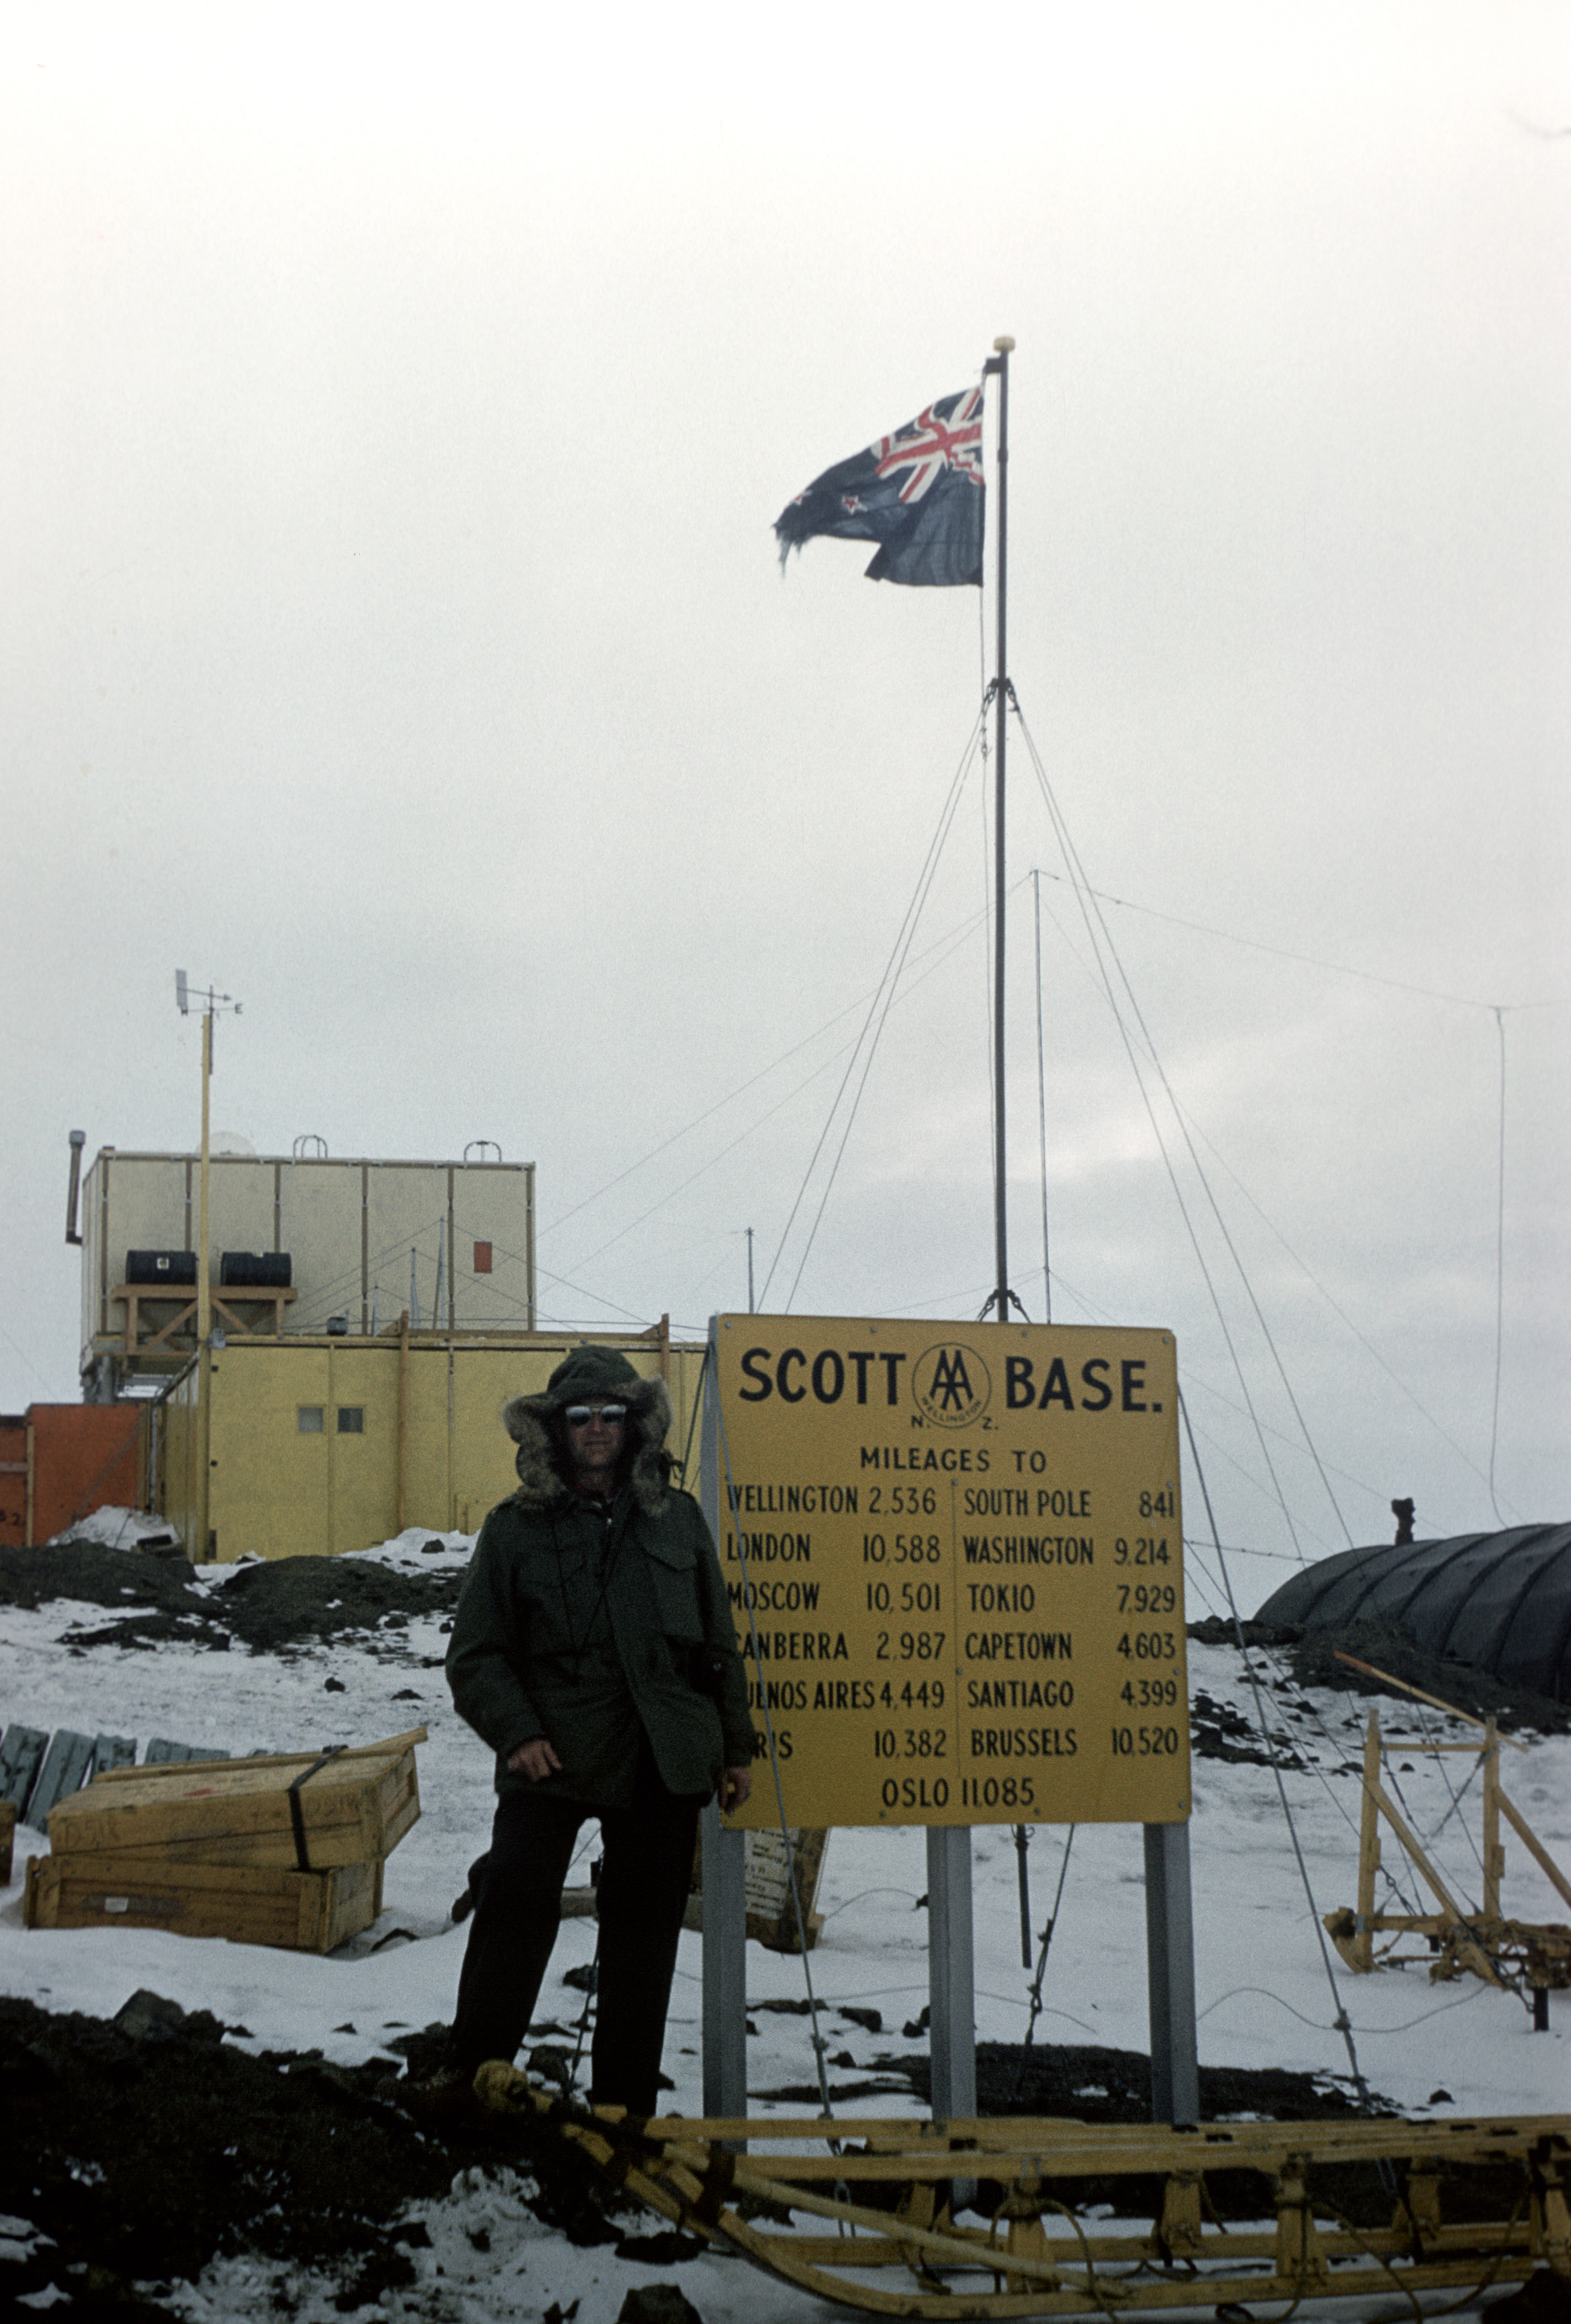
(920, 494)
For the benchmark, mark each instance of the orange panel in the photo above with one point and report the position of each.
(84, 1457)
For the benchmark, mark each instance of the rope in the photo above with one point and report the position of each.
(1498, 1010)
(883, 994)
(1308, 960)
(952, 937)
(297, 1814)
(1093, 923)
(692, 1176)
(1340, 1313)
(1374, 2032)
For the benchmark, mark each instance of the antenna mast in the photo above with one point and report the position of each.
(998, 366)
(212, 1005)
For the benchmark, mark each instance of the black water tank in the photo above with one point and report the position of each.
(254, 1270)
(161, 1266)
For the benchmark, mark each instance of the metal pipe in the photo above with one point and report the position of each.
(201, 1548)
(78, 1140)
(1002, 350)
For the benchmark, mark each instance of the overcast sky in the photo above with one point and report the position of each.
(394, 406)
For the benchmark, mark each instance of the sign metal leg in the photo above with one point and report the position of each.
(952, 1984)
(725, 1976)
(951, 1981)
(1170, 1954)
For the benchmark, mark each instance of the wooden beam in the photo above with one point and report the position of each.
(1368, 1849)
(1494, 1853)
(1468, 1951)
(1534, 1846)
(1417, 1694)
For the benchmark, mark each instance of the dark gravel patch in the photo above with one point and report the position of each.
(1088, 2084)
(292, 1601)
(86, 1570)
(279, 1606)
(1092, 2084)
(1219, 1730)
(146, 2146)
(1312, 1657)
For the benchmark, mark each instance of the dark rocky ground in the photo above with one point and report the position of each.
(143, 2146)
(275, 1607)
(1313, 1658)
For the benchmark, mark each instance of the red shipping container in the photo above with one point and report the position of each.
(81, 1457)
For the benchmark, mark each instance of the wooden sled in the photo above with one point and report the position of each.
(887, 2194)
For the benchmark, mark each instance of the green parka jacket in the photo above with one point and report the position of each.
(585, 1624)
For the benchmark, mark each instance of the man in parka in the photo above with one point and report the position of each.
(592, 1649)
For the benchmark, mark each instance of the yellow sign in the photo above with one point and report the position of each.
(955, 1560)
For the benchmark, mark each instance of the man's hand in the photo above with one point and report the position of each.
(535, 1759)
(734, 1786)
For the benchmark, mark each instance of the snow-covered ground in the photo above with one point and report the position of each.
(1263, 1992)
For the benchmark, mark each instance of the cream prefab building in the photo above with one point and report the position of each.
(369, 1320)
(344, 1247)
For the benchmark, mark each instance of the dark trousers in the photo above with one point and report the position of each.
(644, 1882)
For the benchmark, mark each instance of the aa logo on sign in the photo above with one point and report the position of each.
(952, 1384)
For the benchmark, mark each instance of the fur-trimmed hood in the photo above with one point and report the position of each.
(589, 1372)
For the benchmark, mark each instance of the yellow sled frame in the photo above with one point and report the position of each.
(886, 2196)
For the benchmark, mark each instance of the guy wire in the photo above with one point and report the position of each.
(697, 1408)
(1341, 2022)
(877, 1012)
(1041, 1962)
(1083, 890)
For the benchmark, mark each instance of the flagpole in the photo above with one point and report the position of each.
(998, 366)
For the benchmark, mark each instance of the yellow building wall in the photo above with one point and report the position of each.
(278, 1490)
(174, 1459)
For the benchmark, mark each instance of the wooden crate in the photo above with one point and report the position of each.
(252, 1904)
(352, 1807)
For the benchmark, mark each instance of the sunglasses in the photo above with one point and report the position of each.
(579, 1415)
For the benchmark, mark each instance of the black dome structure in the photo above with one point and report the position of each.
(1500, 1601)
